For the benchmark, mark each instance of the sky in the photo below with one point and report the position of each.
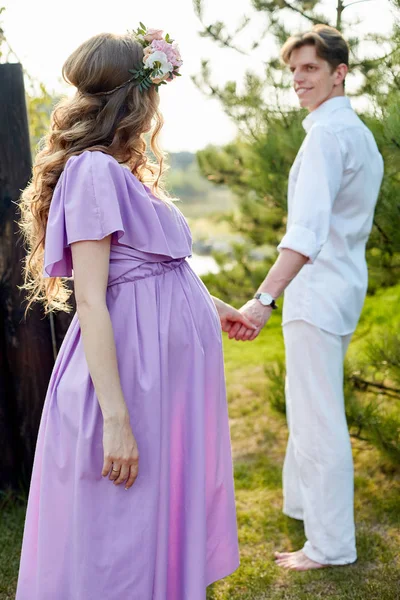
(43, 34)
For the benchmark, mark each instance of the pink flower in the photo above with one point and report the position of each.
(153, 34)
(170, 50)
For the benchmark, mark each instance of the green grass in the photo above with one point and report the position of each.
(12, 516)
(258, 439)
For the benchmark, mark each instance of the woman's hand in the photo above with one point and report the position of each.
(121, 455)
(229, 316)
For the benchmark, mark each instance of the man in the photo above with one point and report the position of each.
(333, 188)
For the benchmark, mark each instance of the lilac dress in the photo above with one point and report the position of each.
(174, 532)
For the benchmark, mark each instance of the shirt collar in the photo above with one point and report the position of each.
(325, 109)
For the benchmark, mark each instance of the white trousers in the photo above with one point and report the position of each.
(318, 477)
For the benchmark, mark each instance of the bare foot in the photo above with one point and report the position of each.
(296, 561)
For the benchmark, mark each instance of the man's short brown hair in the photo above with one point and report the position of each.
(328, 42)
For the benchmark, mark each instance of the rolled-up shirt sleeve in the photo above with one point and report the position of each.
(315, 189)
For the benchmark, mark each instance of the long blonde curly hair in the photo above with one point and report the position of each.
(113, 123)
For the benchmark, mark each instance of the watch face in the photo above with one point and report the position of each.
(266, 299)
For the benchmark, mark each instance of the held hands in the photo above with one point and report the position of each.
(257, 314)
(230, 317)
(121, 455)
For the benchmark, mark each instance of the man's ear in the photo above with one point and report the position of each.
(340, 73)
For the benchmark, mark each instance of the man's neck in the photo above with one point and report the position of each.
(333, 94)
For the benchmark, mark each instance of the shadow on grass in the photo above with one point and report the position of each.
(255, 471)
(379, 502)
(372, 546)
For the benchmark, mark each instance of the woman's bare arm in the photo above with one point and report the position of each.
(91, 263)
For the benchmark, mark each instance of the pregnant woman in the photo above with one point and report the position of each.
(132, 493)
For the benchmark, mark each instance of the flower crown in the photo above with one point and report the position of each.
(161, 58)
(161, 61)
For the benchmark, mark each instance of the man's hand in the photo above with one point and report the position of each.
(257, 314)
(230, 317)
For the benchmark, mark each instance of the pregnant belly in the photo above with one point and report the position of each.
(197, 309)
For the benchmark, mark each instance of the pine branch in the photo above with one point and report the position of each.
(214, 31)
(215, 34)
(356, 2)
(376, 60)
(198, 8)
(357, 436)
(395, 142)
(380, 386)
(384, 235)
(315, 21)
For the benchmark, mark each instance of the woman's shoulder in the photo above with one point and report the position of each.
(99, 165)
(89, 159)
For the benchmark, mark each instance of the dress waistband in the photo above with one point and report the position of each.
(121, 272)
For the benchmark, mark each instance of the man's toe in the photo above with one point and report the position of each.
(281, 554)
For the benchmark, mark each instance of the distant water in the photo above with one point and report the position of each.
(202, 265)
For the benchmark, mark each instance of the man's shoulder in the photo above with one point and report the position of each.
(341, 121)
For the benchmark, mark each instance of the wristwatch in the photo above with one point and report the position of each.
(265, 299)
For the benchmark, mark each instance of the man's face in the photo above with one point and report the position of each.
(313, 79)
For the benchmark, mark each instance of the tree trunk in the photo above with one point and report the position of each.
(26, 356)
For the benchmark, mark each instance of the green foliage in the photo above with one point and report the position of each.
(256, 173)
(198, 196)
(12, 516)
(373, 374)
(185, 181)
(276, 373)
(261, 198)
(384, 244)
(232, 284)
(143, 78)
(39, 105)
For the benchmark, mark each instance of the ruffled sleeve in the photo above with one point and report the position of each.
(95, 197)
(84, 207)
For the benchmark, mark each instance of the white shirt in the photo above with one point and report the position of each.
(333, 188)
